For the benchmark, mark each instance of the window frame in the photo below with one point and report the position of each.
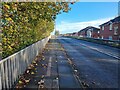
(116, 30)
(110, 38)
(103, 28)
(110, 26)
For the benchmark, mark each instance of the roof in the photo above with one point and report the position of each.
(74, 33)
(117, 19)
(89, 27)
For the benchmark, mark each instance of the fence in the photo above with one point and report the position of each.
(15, 65)
(113, 43)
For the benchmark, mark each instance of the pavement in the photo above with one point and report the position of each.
(68, 63)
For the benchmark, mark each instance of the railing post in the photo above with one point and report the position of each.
(0, 78)
(14, 65)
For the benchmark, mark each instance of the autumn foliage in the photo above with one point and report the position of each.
(24, 23)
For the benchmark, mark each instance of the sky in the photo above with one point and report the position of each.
(85, 14)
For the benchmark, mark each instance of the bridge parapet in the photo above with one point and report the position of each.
(13, 66)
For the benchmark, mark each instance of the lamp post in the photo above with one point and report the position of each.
(55, 21)
(55, 26)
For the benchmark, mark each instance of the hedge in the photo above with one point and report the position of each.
(24, 23)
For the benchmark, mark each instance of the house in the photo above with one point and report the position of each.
(90, 32)
(82, 33)
(71, 34)
(111, 29)
(68, 34)
(75, 34)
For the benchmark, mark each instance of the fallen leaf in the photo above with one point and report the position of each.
(20, 82)
(32, 73)
(27, 80)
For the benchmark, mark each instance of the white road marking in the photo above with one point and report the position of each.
(56, 84)
(109, 54)
(49, 67)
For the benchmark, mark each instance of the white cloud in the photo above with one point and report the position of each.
(68, 27)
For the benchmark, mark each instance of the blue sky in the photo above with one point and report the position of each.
(85, 14)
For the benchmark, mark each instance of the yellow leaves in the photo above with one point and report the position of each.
(34, 62)
(9, 47)
(27, 81)
(12, 44)
(11, 27)
(9, 19)
(6, 15)
(20, 82)
(27, 23)
(24, 81)
(45, 3)
(14, 6)
(32, 73)
(4, 39)
(6, 6)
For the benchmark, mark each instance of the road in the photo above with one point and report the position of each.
(97, 65)
(71, 63)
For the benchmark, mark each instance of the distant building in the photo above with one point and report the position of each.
(68, 34)
(82, 33)
(90, 32)
(75, 34)
(111, 29)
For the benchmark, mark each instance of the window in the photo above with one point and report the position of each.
(89, 33)
(110, 37)
(102, 27)
(102, 37)
(98, 31)
(111, 26)
(116, 30)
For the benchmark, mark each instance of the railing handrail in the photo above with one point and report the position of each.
(3, 60)
(15, 65)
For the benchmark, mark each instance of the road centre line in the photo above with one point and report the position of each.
(49, 67)
(100, 51)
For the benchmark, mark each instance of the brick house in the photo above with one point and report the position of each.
(82, 33)
(111, 29)
(75, 34)
(90, 32)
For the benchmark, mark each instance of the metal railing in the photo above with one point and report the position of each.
(13, 66)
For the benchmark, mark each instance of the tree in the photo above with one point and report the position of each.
(24, 23)
(57, 32)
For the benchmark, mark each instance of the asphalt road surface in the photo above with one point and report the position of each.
(97, 65)
(75, 64)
